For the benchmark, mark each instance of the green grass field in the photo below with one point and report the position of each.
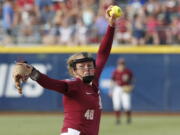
(50, 125)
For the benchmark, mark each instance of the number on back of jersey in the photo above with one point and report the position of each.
(89, 114)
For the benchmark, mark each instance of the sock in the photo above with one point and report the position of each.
(117, 114)
(128, 114)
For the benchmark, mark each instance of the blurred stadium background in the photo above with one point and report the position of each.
(46, 32)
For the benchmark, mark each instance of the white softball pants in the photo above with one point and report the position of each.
(121, 99)
(71, 132)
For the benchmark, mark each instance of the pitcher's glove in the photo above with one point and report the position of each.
(21, 73)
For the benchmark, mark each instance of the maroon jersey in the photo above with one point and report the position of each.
(82, 103)
(122, 77)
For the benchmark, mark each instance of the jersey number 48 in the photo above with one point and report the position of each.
(89, 114)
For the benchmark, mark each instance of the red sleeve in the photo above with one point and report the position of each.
(104, 51)
(131, 74)
(113, 75)
(52, 84)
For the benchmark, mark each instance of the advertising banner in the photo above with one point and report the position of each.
(157, 82)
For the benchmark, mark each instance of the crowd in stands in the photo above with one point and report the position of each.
(82, 22)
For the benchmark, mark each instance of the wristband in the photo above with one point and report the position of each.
(35, 74)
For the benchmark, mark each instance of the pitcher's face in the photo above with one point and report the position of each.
(84, 69)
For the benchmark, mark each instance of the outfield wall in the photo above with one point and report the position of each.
(156, 70)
